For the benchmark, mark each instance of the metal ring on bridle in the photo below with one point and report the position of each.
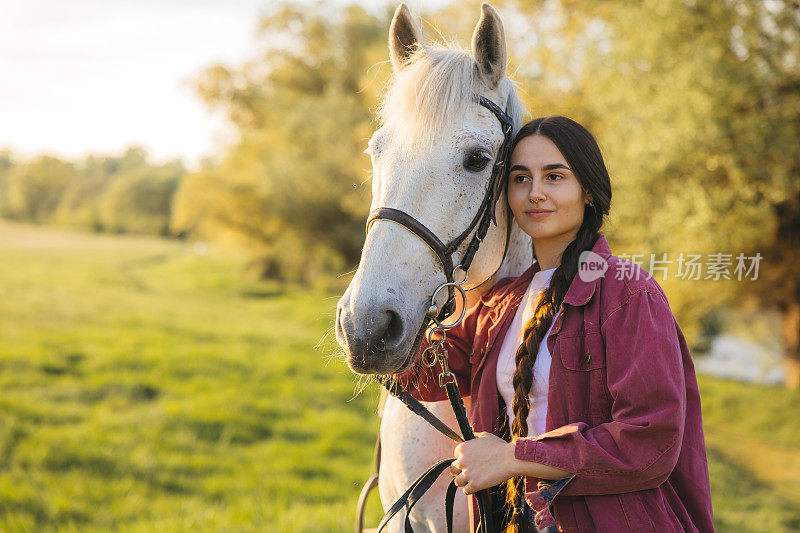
(463, 307)
(432, 363)
(429, 336)
(466, 274)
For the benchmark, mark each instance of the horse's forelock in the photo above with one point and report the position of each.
(435, 86)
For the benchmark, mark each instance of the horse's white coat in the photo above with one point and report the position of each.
(429, 123)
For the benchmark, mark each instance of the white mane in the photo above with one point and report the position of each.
(433, 90)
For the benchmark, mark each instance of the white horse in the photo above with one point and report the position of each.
(426, 159)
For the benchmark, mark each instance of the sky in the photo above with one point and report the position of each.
(96, 76)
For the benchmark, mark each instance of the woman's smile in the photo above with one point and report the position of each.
(537, 213)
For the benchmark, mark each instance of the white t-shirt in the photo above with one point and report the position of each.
(541, 369)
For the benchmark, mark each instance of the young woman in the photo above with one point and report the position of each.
(581, 357)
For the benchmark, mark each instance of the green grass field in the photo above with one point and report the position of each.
(146, 387)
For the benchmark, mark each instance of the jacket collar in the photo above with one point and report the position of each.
(579, 292)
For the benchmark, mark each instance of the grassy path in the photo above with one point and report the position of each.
(146, 387)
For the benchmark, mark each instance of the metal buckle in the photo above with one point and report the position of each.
(446, 376)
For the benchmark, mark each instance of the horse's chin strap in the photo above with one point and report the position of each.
(509, 220)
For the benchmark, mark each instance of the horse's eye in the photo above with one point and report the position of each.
(476, 161)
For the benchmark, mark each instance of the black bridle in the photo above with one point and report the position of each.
(483, 217)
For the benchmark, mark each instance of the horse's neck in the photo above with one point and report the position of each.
(518, 258)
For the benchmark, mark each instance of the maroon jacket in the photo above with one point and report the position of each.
(623, 405)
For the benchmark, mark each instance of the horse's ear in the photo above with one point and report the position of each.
(489, 45)
(404, 36)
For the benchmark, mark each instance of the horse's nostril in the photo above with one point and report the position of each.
(371, 338)
(394, 329)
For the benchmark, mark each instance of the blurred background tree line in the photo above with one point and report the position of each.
(696, 106)
(125, 194)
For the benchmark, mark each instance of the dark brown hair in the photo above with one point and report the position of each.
(580, 149)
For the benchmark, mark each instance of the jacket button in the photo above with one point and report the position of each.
(587, 358)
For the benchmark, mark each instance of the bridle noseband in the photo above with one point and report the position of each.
(482, 218)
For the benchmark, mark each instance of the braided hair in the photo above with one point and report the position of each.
(583, 155)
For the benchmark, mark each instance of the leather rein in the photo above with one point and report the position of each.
(436, 351)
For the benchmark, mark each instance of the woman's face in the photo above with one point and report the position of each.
(540, 180)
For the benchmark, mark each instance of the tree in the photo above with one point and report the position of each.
(119, 194)
(6, 164)
(140, 200)
(33, 188)
(290, 188)
(697, 107)
(78, 205)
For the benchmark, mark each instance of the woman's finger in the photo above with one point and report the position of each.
(454, 470)
(468, 489)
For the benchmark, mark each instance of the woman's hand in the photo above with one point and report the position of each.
(488, 460)
(483, 462)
